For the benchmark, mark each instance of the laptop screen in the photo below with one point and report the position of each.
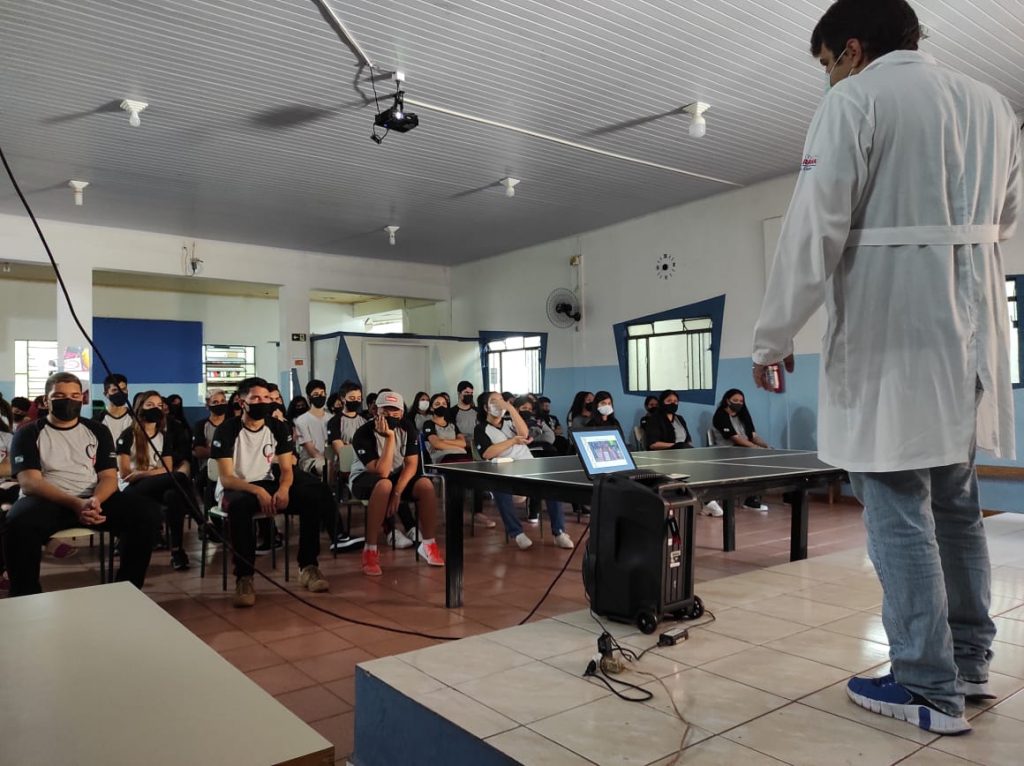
(603, 450)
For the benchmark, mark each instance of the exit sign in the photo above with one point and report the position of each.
(299, 336)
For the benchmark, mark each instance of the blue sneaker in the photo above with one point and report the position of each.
(887, 697)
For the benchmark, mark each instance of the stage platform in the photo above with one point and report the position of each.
(762, 684)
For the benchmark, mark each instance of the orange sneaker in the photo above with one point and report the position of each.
(431, 554)
(371, 563)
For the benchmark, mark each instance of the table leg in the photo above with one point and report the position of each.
(453, 543)
(798, 527)
(729, 524)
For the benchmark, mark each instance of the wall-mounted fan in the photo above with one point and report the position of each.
(563, 307)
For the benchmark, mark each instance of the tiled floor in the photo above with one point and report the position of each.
(755, 688)
(307, 659)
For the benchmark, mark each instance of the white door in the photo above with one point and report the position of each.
(402, 367)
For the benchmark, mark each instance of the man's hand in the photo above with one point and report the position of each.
(380, 425)
(265, 500)
(393, 501)
(761, 372)
(90, 513)
(281, 499)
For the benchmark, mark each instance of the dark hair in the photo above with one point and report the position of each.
(577, 404)
(729, 394)
(464, 384)
(62, 377)
(369, 399)
(444, 399)
(250, 383)
(521, 400)
(313, 385)
(293, 407)
(508, 396)
(881, 26)
(601, 395)
(446, 395)
(5, 415)
(174, 396)
(332, 400)
(114, 379)
(22, 403)
(348, 387)
(665, 395)
(140, 444)
(649, 399)
(414, 402)
(272, 387)
(481, 405)
(543, 400)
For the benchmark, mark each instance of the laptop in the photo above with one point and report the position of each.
(603, 451)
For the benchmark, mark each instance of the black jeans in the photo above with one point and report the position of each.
(32, 521)
(315, 487)
(303, 500)
(161, 489)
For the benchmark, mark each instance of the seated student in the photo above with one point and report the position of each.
(542, 408)
(386, 471)
(20, 407)
(39, 409)
(236, 405)
(371, 406)
(581, 410)
(297, 406)
(177, 412)
(150, 473)
(650, 407)
(311, 430)
(495, 437)
(343, 426)
(244, 449)
(604, 412)
(335, 404)
(202, 435)
(115, 415)
(542, 436)
(419, 408)
(67, 471)
(733, 426)
(464, 415)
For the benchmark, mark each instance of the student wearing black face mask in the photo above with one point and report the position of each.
(176, 411)
(581, 410)
(245, 449)
(150, 473)
(650, 407)
(115, 414)
(666, 429)
(236, 405)
(20, 407)
(732, 426)
(297, 406)
(311, 429)
(464, 414)
(220, 410)
(343, 426)
(67, 470)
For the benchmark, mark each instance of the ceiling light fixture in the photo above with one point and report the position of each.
(698, 125)
(391, 230)
(134, 108)
(510, 186)
(79, 188)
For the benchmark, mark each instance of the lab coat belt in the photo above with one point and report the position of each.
(969, 234)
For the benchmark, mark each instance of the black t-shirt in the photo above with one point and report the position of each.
(722, 423)
(69, 458)
(368, 444)
(252, 451)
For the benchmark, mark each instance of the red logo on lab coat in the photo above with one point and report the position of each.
(808, 163)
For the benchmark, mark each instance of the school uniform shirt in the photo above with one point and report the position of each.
(464, 420)
(342, 428)
(253, 451)
(69, 458)
(125, 445)
(448, 431)
(180, 438)
(487, 435)
(909, 188)
(310, 429)
(116, 426)
(725, 426)
(540, 431)
(420, 420)
(657, 428)
(202, 432)
(368, 446)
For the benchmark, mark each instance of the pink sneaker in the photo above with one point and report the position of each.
(61, 550)
(431, 554)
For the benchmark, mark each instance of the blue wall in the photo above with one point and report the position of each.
(788, 420)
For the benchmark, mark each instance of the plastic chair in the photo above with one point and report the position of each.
(638, 438)
(106, 562)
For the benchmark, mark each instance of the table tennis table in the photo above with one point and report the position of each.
(715, 473)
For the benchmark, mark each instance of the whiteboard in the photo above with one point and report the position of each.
(403, 367)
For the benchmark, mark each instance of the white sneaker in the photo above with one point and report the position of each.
(563, 541)
(414, 535)
(712, 508)
(975, 692)
(398, 539)
(523, 541)
(762, 508)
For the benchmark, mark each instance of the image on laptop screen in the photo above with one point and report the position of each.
(603, 451)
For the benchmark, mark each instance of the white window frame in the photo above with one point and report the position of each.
(517, 350)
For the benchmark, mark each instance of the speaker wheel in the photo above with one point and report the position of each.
(697, 610)
(647, 622)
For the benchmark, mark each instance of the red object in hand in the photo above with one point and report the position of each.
(774, 378)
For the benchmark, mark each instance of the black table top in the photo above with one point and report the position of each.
(706, 467)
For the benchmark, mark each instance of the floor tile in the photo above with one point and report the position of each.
(930, 757)
(610, 732)
(330, 667)
(228, 639)
(401, 676)
(514, 692)
(313, 703)
(1006, 606)
(1012, 707)
(701, 647)
(308, 645)
(1010, 631)
(1002, 686)
(466, 713)
(846, 652)
(251, 657)
(863, 625)
(719, 751)
(711, 702)
(583, 619)
(800, 735)
(574, 663)
(545, 639)
(735, 592)
(752, 627)
(813, 569)
(1015, 614)
(801, 610)
(529, 747)
(995, 741)
(280, 679)
(340, 730)
(1008, 659)
(842, 595)
(834, 699)
(465, 660)
(775, 672)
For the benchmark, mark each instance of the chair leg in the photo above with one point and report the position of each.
(287, 544)
(225, 531)
(110, 559)
(334, 532)
(416, 527)
(273, 544)
(202, 550)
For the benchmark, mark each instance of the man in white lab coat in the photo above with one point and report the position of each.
(910, 180)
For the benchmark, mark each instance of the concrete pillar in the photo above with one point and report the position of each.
(73, 351)
(293, 312)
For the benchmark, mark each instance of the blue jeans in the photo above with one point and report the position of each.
(927, 542)
(512, 526)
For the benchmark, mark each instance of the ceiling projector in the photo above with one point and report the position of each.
(395, 118)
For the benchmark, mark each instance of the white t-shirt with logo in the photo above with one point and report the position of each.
(253, 451)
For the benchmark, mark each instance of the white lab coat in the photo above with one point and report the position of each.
(910, 179)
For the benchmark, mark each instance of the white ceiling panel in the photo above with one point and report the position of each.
(258, 126)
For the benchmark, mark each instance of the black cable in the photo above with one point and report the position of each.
(689, 627)
(190, 499)
(558, 576)
(373, 84)
(600, 675)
